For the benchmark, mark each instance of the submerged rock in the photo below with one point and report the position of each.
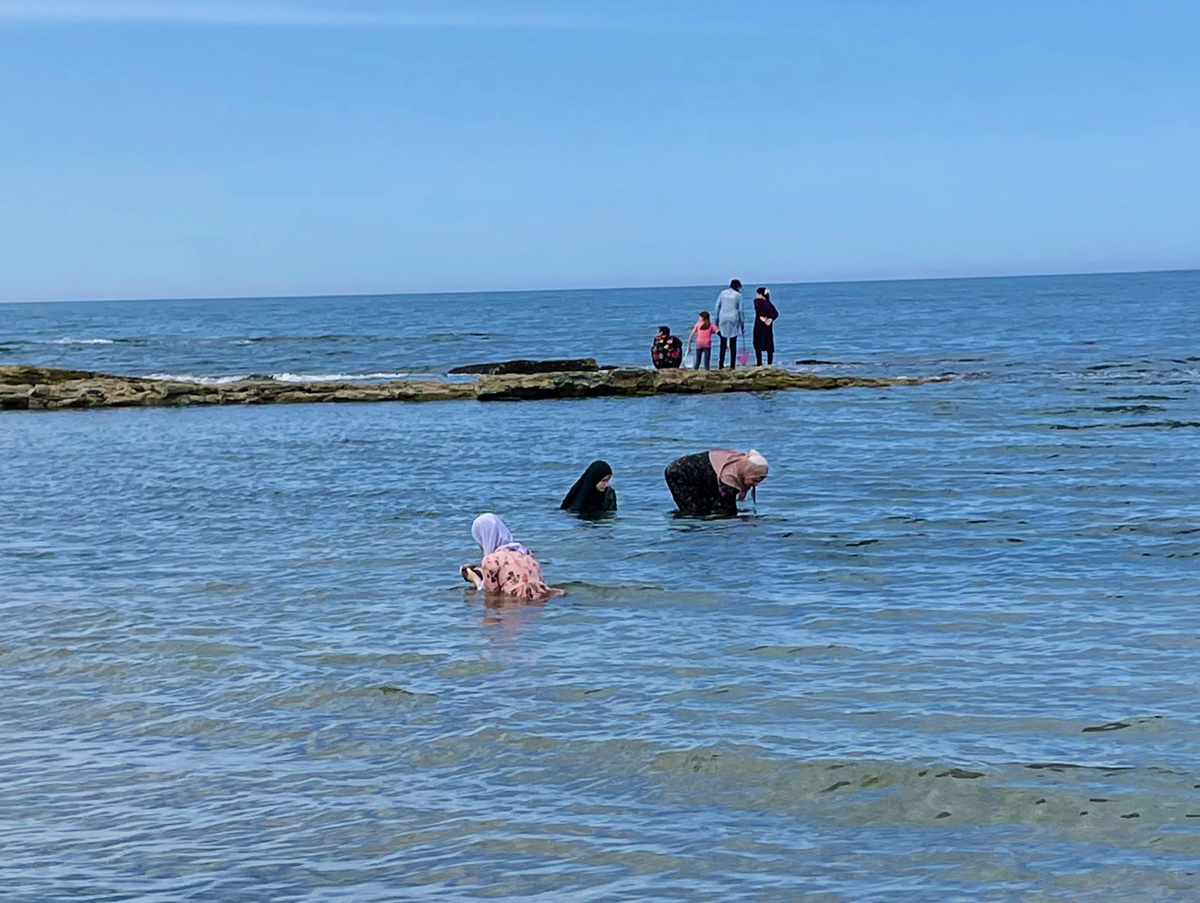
(573, 365)
(42, 388)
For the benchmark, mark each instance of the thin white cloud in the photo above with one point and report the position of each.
(296, 14)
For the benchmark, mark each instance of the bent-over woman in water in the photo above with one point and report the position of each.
(508, 568)
(592, 495)
(713, 482)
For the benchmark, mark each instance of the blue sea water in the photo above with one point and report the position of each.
(953, 655)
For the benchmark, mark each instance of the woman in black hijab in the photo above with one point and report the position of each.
(591, 494)
(765, 315)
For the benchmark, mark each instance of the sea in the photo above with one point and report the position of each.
(951, 654)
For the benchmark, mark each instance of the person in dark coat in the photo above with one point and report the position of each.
(765, 316)
(667, 351)
(711, 483)
(591, 495)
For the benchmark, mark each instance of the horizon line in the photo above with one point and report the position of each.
(609, 288)
(269, 13)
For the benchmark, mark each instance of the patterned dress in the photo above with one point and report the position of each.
(667, 352)
(513, 573)
(693, 484)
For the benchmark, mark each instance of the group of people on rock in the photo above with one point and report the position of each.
(706, 484)
(667, 351)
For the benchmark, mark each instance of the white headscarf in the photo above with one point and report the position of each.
(491, 534)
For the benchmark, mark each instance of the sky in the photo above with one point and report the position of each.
(214, 148)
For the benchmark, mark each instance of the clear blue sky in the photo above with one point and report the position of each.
(168, 148)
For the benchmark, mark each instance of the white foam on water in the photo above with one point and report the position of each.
(201, 380)
(70, 341)
(281, 377)
(335, 377)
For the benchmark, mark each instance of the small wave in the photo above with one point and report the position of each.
(201, 380)
(281, 377)
(455, 336)
(335, 377)
(1143, 398)
(70, 341)
(323, 337)
(1148, 425)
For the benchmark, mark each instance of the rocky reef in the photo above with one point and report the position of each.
(638, 381)
(45, 389)
(524, 367)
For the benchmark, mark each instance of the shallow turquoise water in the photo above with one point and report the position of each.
(952, 657)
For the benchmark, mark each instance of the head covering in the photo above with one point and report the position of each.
(765, 307)
(739, 470)
(583, 497)
(491, 534)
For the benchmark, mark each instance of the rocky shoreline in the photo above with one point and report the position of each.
(47, 389)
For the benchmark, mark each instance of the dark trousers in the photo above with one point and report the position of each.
(729, 344)
(770, 357)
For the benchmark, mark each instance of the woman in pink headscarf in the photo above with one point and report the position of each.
(713, 482)
(508, 568)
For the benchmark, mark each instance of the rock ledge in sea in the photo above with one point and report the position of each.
(639, 381)
(44, 389)
(524, 367)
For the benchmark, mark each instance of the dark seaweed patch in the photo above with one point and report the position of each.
(835, 786)
(1111, 726)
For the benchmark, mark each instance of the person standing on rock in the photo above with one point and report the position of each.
(702, 332)
(765, 315)
(712, 483)
(730, 323)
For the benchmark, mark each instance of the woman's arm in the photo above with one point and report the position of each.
(491, 566)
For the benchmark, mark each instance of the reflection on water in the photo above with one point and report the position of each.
(952, 657)
(506, 615)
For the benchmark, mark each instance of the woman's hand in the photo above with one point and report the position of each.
(472, 575)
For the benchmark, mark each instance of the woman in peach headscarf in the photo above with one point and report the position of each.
(713, 482)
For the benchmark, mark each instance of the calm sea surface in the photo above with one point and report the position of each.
(953, 657)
